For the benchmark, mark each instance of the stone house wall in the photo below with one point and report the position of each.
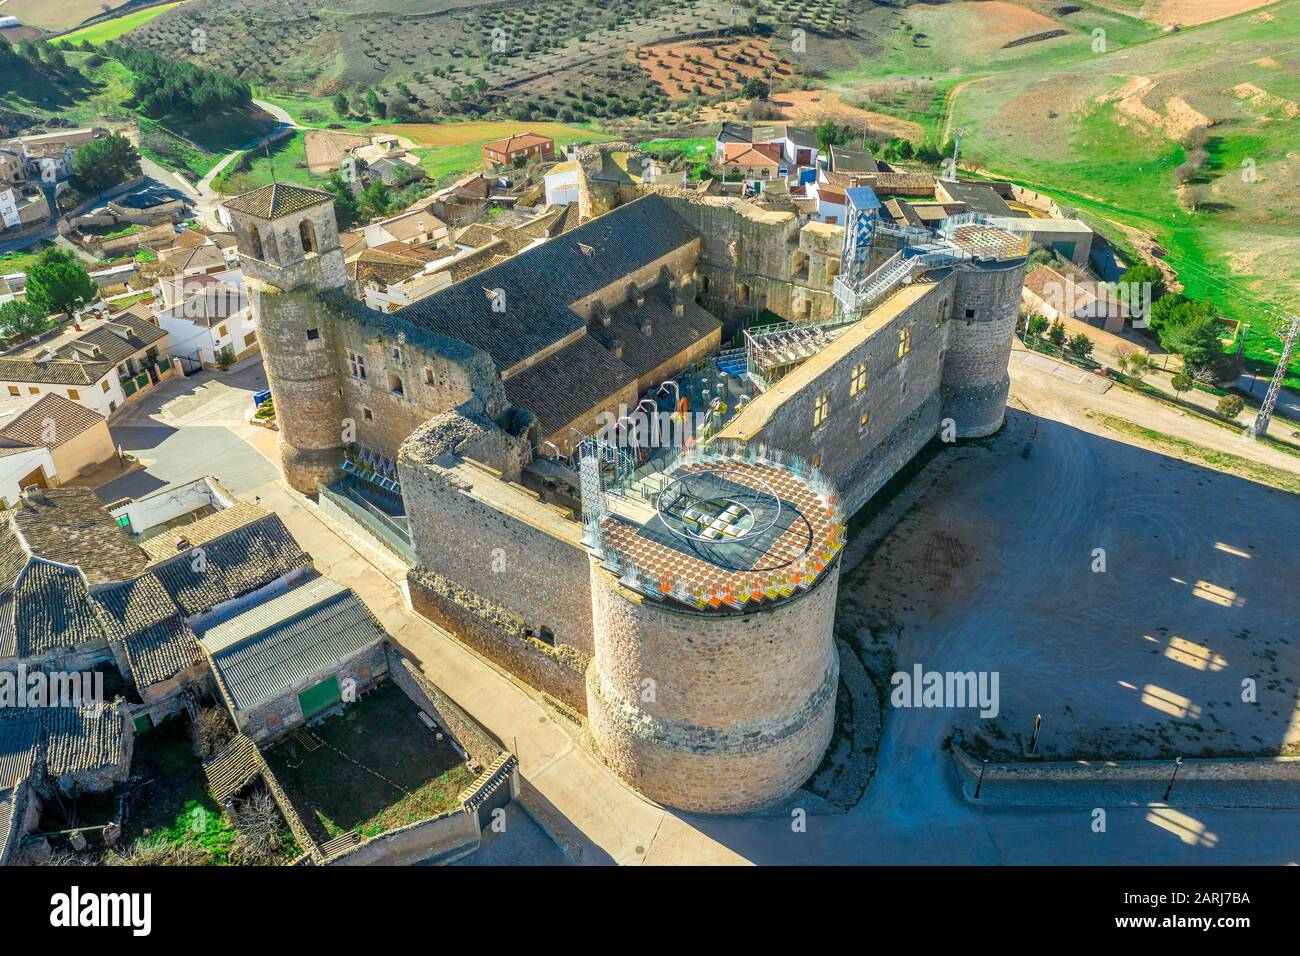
(282, 713)
(500, 636)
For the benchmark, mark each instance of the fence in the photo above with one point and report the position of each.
(390, 534)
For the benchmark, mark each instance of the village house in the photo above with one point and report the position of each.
(504, 153)
(208, 317)
(100, 363)
(294, 657)
(46, 440)
(753, 164)
(1059, 294)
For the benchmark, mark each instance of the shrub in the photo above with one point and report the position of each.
(1230, 406)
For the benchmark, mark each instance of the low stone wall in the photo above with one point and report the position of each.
(452, 835)
(500, 636)
(1202, 782)
(464, 729)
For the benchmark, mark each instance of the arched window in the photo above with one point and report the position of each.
(256, 241)
(307, 236)
(742, 292)
(272, 249)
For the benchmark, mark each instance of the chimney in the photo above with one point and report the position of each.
(646, 325)
(617, 348)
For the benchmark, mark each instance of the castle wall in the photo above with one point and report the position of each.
(975, 377)
(748, 260)
(901, 397)
(741, 706)
(501, 542)
(500, 636)
(394, 416)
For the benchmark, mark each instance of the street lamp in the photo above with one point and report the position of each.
(1178, 762)
(980, 782)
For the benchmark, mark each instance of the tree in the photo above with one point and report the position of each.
(1136, 365)
(1230, 406)
(756, 88)
(105, 162)
(375, 200)
(58, 283)
(341, 104)
(1037, 325)
(1181, 383)
(1080, 346)
(346, 209)
(20, 320)
(1056, 334)
(1143, 273)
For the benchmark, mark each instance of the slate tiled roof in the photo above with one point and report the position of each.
(167, 544)
(288, 641)
(51, 610)
(70, 525)
(54, 372)
(82, 738)
(243, 548)
(70, 420)
(161, 651)
(580, 376)
(277, 199)
(568, 383)
(230, 566)
(20, 738)
(64, 739)
(645, 348)
(541, 282)
(200, 257)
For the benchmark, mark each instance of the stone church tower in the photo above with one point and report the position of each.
(288, 243)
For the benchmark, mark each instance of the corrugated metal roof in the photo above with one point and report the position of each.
(288, 641)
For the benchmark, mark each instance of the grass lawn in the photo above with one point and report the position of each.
(21, 261)
(697, 149)
(381, 769)
(106, 30)
(287, 163)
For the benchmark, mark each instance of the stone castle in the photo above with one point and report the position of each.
(681, 600)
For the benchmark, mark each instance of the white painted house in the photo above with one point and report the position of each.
(206, 314)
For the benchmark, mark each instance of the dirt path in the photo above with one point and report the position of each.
(1066, 402)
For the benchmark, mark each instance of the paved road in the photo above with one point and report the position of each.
(207, 197)
(188, 427)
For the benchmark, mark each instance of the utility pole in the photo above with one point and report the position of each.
(957, 134)
(1260, 428)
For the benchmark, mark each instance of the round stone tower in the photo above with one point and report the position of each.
(712, 684)
(288, 244)
(986, 305)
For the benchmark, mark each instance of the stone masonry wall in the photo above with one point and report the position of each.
(282, 713)
(532, 565)
(975, 378)
(715, 713)
(900, 400)
(500, 636)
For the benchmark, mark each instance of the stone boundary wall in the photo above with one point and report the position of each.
(473, 738)
(288, 811)
(1226, 769)
(500, 636)
(452, 835)
(1240, 782)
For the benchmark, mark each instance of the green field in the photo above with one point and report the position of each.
(106, 30)
(1095, 129)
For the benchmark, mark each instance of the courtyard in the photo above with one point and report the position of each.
(378, 767)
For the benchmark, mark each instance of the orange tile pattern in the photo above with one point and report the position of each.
(793, 562)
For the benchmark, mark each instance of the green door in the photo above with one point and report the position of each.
(321, 697)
